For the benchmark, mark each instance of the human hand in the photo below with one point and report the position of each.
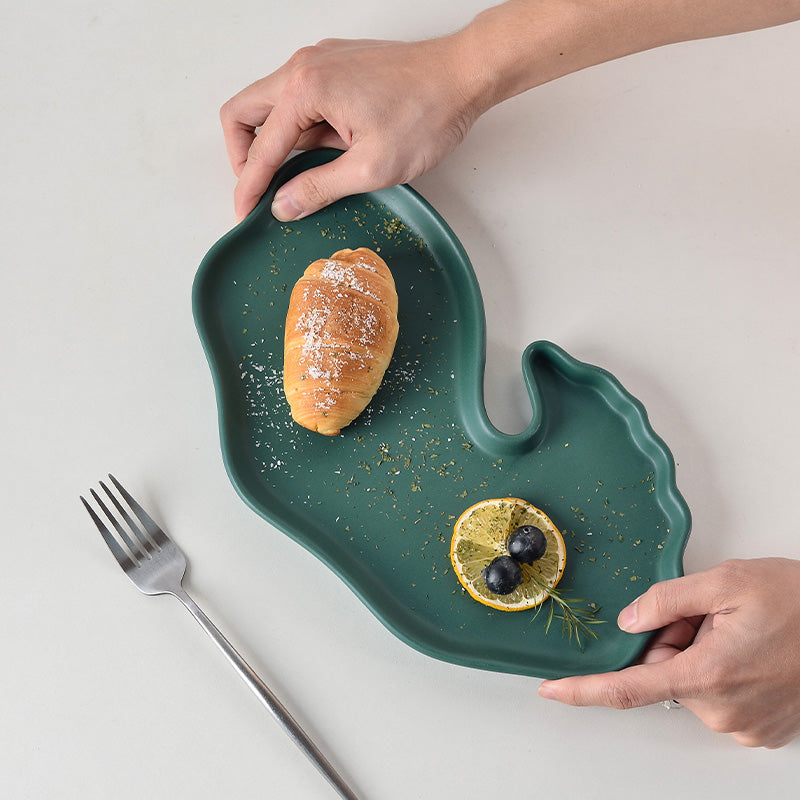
(728, 650)
(396, 109)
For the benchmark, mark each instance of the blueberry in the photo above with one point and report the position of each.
(527, 544)
(502, 575)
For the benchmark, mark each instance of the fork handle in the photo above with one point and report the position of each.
(266, 696)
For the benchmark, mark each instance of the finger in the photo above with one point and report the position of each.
(277, 138)
(671, 640)
(636, 686)
(679, 598)
(350, 173)
(240, 117)
(238, 139)
(321, 135)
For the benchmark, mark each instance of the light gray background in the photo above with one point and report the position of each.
(643, 215)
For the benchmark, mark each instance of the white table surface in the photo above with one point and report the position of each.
(643, 215)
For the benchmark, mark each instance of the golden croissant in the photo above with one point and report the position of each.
(341, 329)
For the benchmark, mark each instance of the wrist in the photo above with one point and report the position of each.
(511, 48)
(521, 44)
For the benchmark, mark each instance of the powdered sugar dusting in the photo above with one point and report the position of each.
(340, 273)
(324, 356)
(262, 385)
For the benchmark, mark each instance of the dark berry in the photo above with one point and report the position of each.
(527, 544)
(502, 575)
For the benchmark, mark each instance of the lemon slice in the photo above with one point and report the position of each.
(480, 535)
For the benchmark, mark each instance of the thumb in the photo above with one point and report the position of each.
(316, 188)
(679, 598)
(641, 685)
(681, 676)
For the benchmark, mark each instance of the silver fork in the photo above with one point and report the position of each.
(156, 565)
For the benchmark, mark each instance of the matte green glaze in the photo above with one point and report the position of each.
(377, 503)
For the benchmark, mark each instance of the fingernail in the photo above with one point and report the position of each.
(628, 616)
(284, 208)
(546, 692)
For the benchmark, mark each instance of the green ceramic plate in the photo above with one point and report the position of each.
(377, 503)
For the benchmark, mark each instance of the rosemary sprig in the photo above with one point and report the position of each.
(576, 620)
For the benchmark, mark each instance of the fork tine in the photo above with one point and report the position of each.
(122, 557)
(156, 534)
(142, 542)
(138, 546)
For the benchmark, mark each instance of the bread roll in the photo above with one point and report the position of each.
(341, 329)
